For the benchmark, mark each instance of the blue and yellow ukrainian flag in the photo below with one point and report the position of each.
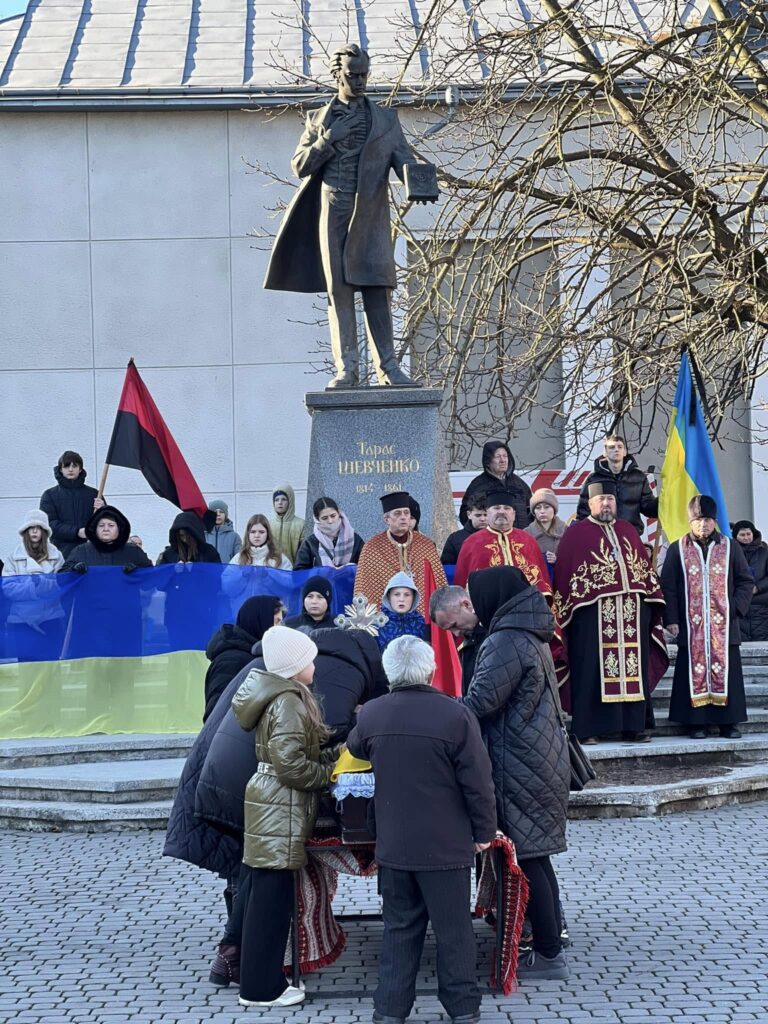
(689, 463)
(109, 653)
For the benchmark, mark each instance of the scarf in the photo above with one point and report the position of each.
(342, 542)
(706, 598)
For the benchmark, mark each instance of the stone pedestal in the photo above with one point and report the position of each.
(368, 441)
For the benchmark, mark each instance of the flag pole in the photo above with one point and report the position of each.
(105, 471)
(103, 481)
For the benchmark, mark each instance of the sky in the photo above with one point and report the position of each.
(10, 7)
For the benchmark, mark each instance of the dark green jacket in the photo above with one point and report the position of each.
(280, 803)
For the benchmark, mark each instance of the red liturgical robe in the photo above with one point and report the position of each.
(487, 548)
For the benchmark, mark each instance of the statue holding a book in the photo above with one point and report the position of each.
(336, 235)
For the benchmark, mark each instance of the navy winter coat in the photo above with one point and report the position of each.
(69, 506)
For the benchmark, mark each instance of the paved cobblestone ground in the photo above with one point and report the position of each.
(667, 918)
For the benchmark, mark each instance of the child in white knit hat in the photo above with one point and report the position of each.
(280, 804)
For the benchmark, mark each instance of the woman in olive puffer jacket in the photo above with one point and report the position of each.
(280, 804)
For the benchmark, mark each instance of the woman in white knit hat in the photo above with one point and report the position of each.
(280, 804)
(547, 528)
(33, 563)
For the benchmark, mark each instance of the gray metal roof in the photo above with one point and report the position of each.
(185, 48)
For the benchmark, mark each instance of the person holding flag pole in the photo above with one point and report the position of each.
(706, 581)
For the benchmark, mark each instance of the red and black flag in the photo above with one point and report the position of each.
(141, 440)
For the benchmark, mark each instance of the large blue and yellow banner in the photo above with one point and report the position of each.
(689, 463)
(107, 652)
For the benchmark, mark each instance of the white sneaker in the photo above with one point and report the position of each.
(290, 997)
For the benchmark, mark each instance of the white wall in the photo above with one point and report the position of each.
(127, 235)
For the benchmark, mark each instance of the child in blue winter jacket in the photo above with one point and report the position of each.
(400, 604)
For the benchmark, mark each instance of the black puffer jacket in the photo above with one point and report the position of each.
(95, 552)
(215, 843)
(69, 506)
(633, 492)
(348, 672)
(521, 725)
(487, 482)
(229, 650)
(754, 625)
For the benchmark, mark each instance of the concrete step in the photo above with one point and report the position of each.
(676, 751)
(63, 816)
(756, 723)
(710, 787)
(78, 749)
(751, 653)
(756, 694)
(116, 782)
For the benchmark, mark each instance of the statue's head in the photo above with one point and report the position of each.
(349, 66)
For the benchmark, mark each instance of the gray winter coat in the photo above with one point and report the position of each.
(521, 725)
(225, 539)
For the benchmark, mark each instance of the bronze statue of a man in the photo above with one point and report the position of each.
(336, 235)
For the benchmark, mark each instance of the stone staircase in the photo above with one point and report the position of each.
(104, 783)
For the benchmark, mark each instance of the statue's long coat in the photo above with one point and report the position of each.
(369, 260)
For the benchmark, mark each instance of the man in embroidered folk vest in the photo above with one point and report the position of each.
(501, 544)
(609, 604)
(707, 586)
(397, 549)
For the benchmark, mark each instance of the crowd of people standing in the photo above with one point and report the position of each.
(548, 615)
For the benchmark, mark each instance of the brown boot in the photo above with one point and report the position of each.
(225, 966)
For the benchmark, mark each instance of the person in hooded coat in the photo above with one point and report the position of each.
(187, 543)
(754, 625)
(499, 474)
(316, 604)
(70, 504)
(105, 546)
(634, 496)
(512, 693)
(186, 546)
(230, 647)
(403, 618)
(35, 612)
(287, 528)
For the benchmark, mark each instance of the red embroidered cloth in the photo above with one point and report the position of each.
(322, 939)
(709, 616)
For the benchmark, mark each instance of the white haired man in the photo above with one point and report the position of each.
(435, 809)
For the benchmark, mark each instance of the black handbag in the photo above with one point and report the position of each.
(582, 770)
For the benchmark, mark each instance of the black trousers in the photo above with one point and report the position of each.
(238, 887)
(543, 905)
(410, 900)
(266, 925)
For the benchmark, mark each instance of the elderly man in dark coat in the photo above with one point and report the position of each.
(434, 810)
(513, 694)
(336, 236)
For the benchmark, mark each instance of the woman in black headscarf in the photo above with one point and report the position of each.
(513, 695)
(229, 649)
